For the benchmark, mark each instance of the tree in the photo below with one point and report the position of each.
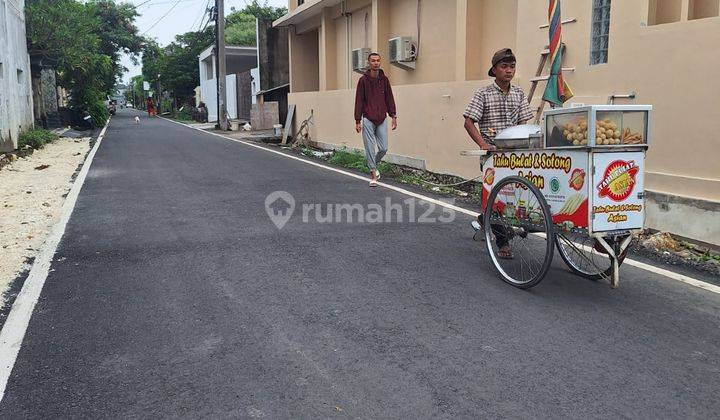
(240, 29)
(136, 92)
(118, 34)
(83, 40)
(240, 24)
(177, 63)
(263, 11)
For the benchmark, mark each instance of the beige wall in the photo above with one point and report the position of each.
(304, 61)
(652, 61)
(429, 126)
(669, 65)
(436, 60)
(700, 9)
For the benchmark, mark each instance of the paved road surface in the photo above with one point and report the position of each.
(173, 294)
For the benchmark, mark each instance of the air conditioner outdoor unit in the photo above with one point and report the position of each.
(360, 59)
(402, 52)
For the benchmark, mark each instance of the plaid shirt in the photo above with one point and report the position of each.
(494, 111)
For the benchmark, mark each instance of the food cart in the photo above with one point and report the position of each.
(575, 184)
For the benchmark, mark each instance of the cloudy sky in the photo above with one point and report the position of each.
(163, 19)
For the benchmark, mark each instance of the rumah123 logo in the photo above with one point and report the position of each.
(618, 181)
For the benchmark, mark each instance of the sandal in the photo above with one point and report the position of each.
(505, 254)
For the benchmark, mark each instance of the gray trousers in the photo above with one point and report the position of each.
(374, 137)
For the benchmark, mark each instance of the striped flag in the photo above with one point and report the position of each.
(556, 90)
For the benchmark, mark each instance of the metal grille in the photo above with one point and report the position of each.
(394, 50)
(600, 32)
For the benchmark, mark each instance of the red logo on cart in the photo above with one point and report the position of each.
(619, 180)
(577, 179)
(489, 176)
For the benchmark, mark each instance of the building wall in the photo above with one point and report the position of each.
(208, 91)
(304, 61)
(16, 108)
(651, 60)
(663, 50)
(273, 60)
(429, 128)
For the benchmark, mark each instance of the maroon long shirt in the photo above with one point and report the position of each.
(374, 98)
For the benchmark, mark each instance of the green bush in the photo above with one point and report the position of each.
(99, 113)
(183, 114)
(167, 105)
(36, 138)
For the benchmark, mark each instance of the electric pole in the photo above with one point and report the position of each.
(220, 63)
(159, 96)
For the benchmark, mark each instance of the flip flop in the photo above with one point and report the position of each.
(505, 255)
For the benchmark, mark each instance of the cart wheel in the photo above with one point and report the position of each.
(518, 215)
(584, 257)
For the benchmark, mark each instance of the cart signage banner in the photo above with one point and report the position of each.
(560, 175)
(618, 188)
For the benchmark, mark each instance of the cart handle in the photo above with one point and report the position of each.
(474, 152)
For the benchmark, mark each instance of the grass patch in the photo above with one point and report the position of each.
(35, 138)
(182, 115)
(355, 159)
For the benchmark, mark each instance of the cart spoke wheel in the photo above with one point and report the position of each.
(580, 253)
(517, 216)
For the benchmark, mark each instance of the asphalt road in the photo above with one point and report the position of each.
(172, 294)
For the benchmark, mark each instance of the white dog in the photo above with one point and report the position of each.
(137, 120)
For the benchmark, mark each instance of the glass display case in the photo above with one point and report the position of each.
(598, 126)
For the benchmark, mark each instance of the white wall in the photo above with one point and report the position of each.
(16, 109)
(208, 92)
(255, 74)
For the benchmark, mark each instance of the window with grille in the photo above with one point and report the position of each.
(600, 32)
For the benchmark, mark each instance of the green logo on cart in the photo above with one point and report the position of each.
(554, 185)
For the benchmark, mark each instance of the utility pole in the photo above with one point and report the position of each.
(159, 96)
(220, 63)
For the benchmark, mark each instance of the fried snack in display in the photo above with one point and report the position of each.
(628, 137)
(576, 133)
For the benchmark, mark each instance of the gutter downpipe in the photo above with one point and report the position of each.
(348, 43)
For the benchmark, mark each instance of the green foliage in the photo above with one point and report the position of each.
(84, 40)
(99, 112)
(240, 24)
(183, 114)
(262, 11)
(136, 91)
(176, 63)
(117, 33)
(36, 138)
(167, 105)
(240, 30)
(352, 160)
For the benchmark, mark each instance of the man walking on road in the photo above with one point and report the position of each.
(374, 101)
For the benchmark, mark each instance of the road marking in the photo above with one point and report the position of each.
(13, 332)
(647, 267)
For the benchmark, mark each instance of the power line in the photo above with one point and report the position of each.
(201, 17)
(210, 14)
(162, 17)
(145, 3)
